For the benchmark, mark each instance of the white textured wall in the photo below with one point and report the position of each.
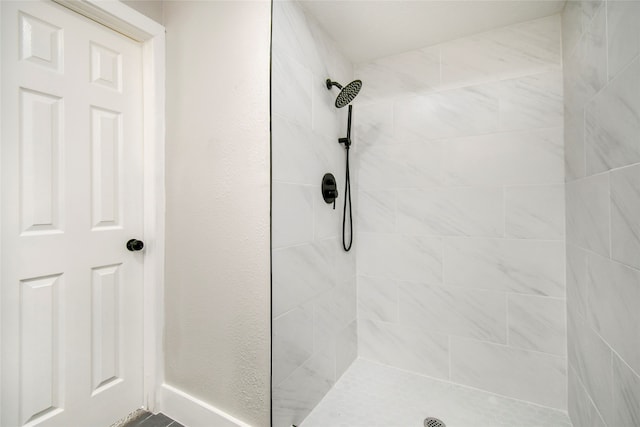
(461, 212)
(217, 259)
(601, 41)
(314, 294)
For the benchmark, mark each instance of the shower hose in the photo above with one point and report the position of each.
(347, 198)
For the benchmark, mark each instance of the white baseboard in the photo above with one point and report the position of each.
(193, 412)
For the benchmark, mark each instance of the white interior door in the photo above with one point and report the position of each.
(72, 294)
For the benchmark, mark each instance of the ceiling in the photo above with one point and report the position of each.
(370, 29)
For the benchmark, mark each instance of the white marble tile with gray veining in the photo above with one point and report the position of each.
(613, 291)
(626, 395)
(470, 211)
(406, 165)
(535, 212)
(377, 299)
(400, 257)
(346, 348)
(516, 50)
(527, 375)
(531, 102)
(581, 408)
(612, 123)
(533, 267)
(290, 20)
(574, 154)
(291, 89)
(326, 119)
(576, 279)
(452, 310)
(410, 348)
(625, 214)
(591, 359)
(571, 26)
(300, 273)
(586, 66)
(327, 221)
(397, 75)
(623, 34)
(296, 396)
(376, 211)
(450, 113)
(538, 323)
(296, 155)
(292, 342)
(587, 213)
(372, 124)
(333, 310)
(292, 214)
(513, 158)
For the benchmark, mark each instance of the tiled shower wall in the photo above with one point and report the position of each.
(601, 46)
(460, 222)
(314, 290)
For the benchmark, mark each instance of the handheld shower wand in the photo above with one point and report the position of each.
(346, 95)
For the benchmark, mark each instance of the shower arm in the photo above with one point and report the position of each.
(347, 141)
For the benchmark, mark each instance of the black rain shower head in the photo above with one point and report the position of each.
(347, 93)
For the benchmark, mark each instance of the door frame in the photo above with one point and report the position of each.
(151, 35)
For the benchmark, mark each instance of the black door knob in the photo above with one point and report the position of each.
(135, 245)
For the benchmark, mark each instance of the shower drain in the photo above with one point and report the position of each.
(433, 422)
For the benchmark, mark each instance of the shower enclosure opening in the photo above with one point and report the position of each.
(453, 306)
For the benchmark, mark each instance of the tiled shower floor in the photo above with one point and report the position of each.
(374, 395)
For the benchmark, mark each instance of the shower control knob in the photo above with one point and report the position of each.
(135, 245)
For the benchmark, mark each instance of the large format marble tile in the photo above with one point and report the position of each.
(531, 102)
(581, 409)
(397, 75)
(412, 258)
(612, 123)
(459, 112)
(333, 311)
(521, 266)
(377, 299)
(512, 158)
(301, 273)
(535, 212)
(538, 323)
(376, 211)
(468, 211)
(623, 34)
(516, 50)
(372, 124)
(576, 279)
(406, 165)
(294, 398)
(587, 208)
(625, 214)
(292, 214)
(585, 68)
(626, 395)
(522, 374)
(574, 154)
(571, 26)
(296, 155)
(613, 300)
(452, 310)
(291, 89)
(591, 359)
(406, 347)
(346, 348)
(292, 342)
